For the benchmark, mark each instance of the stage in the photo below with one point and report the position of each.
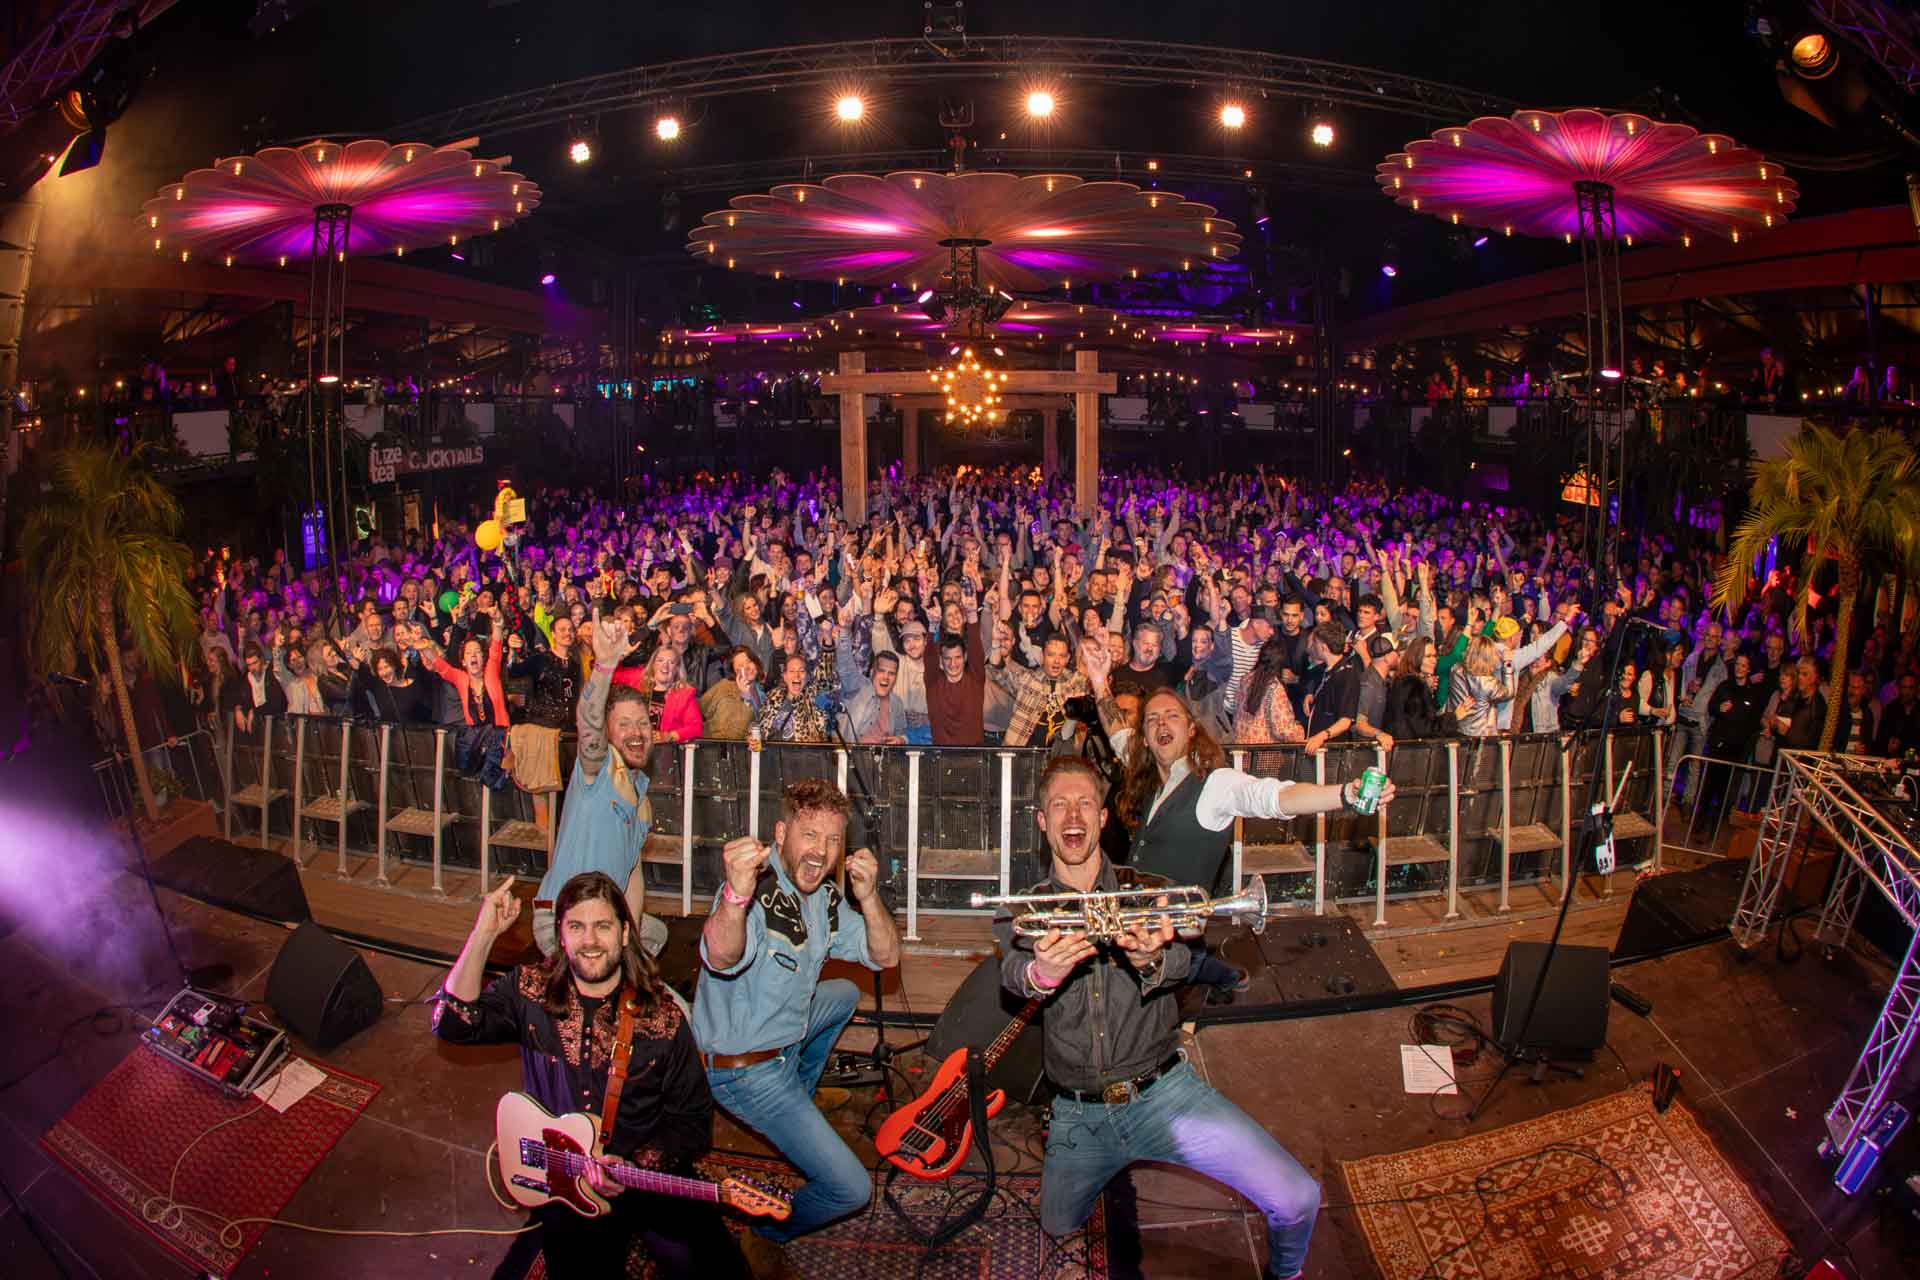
(1761, 1045)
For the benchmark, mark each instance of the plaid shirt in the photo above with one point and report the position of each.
(1037, 701)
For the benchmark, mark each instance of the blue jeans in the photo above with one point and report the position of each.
(1178, 1120)
(775, 1099)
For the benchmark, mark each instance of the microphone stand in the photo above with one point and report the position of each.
(1596, 833)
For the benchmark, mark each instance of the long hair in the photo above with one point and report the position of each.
(1267, 666)
(636, 967)
(1142, 779)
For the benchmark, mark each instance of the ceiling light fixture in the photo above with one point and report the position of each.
(1233, 115)
(850, 108)
(1039, 104)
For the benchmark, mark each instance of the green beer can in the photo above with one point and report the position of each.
(1366, 796)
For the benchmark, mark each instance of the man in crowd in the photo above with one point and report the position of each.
(763, 1018)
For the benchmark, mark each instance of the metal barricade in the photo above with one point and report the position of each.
(1717, 791)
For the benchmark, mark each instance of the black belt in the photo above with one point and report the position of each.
(1123, 1090)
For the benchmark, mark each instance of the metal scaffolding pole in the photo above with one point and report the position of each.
(1606, 334)
(326, 365)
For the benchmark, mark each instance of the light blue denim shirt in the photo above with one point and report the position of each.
(761, 1002)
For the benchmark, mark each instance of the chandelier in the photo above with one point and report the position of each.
(972, 391)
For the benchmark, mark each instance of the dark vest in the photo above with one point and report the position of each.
(1174, 844)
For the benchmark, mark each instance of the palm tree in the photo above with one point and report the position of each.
(1848, 497)
(103, 554)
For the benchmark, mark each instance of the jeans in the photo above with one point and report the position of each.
(1177, 1120)
(775, 1099)
(1689, 738)
(1209, 970)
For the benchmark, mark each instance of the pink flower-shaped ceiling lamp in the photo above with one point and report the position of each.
(1043, 231)
(1516, 175)
(259, 210)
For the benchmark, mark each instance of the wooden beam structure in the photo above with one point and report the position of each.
(853, 384)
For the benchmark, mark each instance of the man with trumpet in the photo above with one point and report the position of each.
(1123, 1091)
(1179, 799)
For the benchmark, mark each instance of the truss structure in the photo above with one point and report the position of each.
(54, 57)
(1875, 851)
(918, 61)
(1887, 33)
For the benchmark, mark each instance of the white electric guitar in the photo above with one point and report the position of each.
(544, 1157)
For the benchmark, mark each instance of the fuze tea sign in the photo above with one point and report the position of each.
(386, 464)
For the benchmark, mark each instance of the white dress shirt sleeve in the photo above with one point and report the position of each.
(1230, 793)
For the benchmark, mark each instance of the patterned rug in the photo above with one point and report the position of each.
(1006, 1244)
(1546, 1207)
(123, 1138)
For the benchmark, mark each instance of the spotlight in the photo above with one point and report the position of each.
(581, 151)
(328, 379)
(924, 296)
(1320, 132)
(547, 278)
(1813, 56)
(1388, 270)
(1233, 115)
(667, 128)
(933, 305)
(1480, 243)
(1039, 103)
(1612, 375)
(850, 108)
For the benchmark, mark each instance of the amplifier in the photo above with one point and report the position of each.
(211, 1036)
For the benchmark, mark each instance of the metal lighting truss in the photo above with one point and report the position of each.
(917, 60)
(54, 57)
(1884, 32)
(1875, 851)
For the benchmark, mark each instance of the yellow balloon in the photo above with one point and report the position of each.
(487, 536)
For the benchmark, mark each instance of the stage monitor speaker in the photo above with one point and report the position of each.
(1571, 1019)
(979, 1011)
(322, 988)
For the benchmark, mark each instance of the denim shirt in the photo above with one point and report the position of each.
(599, 830)
(761, 1002)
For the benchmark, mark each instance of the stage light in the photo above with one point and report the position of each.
(328, 379)
(667, 128)
(1814, 56)
(1612, 375)
(1388, 270)
(924, 296)
(581, 151)
(850, 108)
(547, 278)
(1039, 103)
(1320, 132)
(1233, 115)
(1480, 243)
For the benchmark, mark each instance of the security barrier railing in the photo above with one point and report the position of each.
(1471, 813)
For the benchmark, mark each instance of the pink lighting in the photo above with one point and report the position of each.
(1516, 173)
(868, 229)
(259, 209)
(1610, 374)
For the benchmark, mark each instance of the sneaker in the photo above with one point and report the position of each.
(829, 1098)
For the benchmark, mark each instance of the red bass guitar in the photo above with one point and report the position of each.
(930, 1136)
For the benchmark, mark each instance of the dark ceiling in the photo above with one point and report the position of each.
(362, 66)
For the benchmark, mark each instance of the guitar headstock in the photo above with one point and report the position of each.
(755, 1199)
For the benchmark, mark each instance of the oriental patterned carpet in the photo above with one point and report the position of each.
(1610, 1190)
(124, 1138)
(1006, 1244)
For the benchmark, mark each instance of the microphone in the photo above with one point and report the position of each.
(61, 677)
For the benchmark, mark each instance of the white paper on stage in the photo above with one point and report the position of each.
(289, 1084)
(1427, 1068)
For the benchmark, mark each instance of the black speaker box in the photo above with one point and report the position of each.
(322, 989)
(979, 1011)
(1571, 1019)
(256, 882)
(1678, 908)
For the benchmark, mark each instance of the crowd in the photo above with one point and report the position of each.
(954, 617)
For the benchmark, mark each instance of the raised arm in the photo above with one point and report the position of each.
(610, 644)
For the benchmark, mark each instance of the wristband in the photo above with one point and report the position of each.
(728, 895)
(1033, 976)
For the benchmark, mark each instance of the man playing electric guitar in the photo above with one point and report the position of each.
(567, 1013)
(1122, 1088)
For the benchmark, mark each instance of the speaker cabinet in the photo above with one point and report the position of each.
(1571, 1019)
(978, 1012)
(322, 989)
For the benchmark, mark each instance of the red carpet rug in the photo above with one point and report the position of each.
(124, 1137)
(1547, 1206)
(1006, 1244)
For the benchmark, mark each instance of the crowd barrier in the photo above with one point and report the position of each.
(944, 822)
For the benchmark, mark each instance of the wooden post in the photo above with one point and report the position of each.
(1049, 443)
(853, 441)
(1086, 436)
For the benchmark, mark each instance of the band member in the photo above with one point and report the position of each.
(1122, 1088)
(605, 822)
(1180, 800)
(565, 1013)
(764, 1020)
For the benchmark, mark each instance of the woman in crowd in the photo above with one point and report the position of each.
(791, 712)
(1477, 689)
(670, 699)
(1266, 713)
(1738, 704)
(1656, 696)
(331, 676)
(383, 688)
(1413, 699)
(730, 705)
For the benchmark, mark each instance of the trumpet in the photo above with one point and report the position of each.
(1107, 915)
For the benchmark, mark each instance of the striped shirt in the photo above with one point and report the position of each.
(1245, 653)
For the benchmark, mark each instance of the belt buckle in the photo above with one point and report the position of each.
(1118, 1093)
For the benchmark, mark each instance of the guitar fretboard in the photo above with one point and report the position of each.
(574, 1165)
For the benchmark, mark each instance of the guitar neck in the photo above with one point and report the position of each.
(1004, 1041)
(629, 1175)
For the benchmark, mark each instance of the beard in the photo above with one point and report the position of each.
(596, 969)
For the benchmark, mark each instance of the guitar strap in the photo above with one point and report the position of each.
(617, 1069)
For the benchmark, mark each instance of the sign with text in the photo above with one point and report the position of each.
(385, 464)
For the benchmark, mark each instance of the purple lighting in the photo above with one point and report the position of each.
(1517, 173)
(1388, 270)
(547, 278)
(1480, 243)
